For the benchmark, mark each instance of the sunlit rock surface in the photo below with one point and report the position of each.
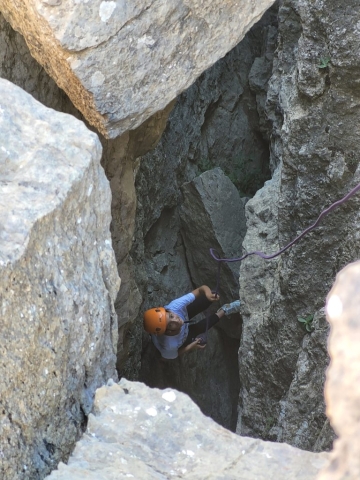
(138, 432)
(19, 67)
(58, 283)
(121, 62)
(342, 392)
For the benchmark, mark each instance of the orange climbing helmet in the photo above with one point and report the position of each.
(155, 320)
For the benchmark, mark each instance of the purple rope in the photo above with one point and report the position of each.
(307, 230)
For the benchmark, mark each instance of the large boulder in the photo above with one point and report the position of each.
(58, 283)
(138, 432)
(120, 63)
(19, 67)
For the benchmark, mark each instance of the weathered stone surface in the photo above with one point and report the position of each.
(58, 283)
(157, 434)
(342, 379)
(313, 152)
(213, 216)
(120, 63)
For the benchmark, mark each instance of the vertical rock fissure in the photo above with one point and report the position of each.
(217, 126)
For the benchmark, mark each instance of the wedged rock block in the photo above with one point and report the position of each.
(213, 216)
(58, 282)
(120, 62)
(138, 432)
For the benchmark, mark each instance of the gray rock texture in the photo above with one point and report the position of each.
(120, 63)
(342, 387)
(315, 112)
(199, 135)
(137, 432)
(58, 283)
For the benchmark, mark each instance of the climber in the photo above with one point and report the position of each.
(169, 328)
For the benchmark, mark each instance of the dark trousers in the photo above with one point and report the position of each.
(199, 305)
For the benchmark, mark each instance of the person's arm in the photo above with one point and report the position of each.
(195, 345)
(205, 290)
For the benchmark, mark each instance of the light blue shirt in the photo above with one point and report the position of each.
(167, 345)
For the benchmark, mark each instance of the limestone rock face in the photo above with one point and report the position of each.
(157, 434)
(120, 62)
(58, 283)
(316, 116)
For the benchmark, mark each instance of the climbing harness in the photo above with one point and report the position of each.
(201, 336)
(306, 231)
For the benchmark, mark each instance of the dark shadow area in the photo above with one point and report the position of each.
(202, 375)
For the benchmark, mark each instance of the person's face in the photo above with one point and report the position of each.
(173, 324)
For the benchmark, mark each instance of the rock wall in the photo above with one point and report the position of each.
(227, 118)
(58, 283)
(212, 108)
(313, 102)
(120, 63)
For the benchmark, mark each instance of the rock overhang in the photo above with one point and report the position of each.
(119, 62)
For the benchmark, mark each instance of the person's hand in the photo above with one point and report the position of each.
(205, 290)
(212, 296)
(196, 345)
